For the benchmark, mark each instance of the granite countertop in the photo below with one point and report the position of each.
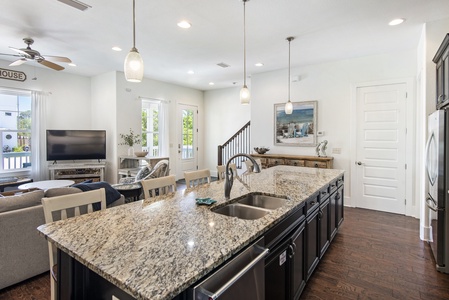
(155, 249)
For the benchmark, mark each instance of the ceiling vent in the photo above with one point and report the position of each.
(223, 65)
(76, 4)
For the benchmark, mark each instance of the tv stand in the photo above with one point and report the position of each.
(78, 172)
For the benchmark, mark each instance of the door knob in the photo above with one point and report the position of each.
(358, 163)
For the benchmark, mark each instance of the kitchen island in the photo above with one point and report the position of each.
(157, 248)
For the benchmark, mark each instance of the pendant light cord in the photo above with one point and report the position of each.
(289, 41)
(244, 42)
(134, 24)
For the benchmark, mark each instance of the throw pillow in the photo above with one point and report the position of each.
(54, 192)
(111, 193)
(21, 201)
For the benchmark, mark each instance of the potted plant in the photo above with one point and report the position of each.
(130, 140)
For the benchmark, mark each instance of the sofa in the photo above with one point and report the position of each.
(23, 252)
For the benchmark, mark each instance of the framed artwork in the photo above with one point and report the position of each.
(297, 129)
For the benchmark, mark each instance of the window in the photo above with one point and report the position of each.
(151, 121)
(15, 130)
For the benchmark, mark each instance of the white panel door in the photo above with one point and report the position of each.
(187, 139)
(381, 152)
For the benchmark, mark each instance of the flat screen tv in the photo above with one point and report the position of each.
(76, 144)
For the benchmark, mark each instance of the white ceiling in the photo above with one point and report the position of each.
(324, 30)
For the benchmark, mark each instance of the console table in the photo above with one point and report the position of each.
(78, 172)
(271, 160)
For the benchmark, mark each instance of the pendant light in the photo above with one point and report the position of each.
(289, 104)
(244, 92)
(133, 61)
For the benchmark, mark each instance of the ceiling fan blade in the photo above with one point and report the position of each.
(20, 51)
(18, 62)
(15, 55)
(51, 65)
(58, 58)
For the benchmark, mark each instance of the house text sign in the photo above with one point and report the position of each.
(12, 75)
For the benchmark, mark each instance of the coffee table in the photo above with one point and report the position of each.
(46, 184)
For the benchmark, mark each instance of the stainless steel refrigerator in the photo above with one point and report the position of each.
(437, 169)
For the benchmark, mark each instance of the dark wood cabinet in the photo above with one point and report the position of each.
(311, 246)
(442, 74)
(298, 281)
(284, 268)
(271, 160)
(336, 209)
(323, 220)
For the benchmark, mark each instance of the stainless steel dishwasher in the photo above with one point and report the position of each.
(243, 277)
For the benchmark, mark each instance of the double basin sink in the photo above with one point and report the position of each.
(251, 206)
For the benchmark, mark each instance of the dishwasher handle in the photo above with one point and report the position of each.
(214, 295)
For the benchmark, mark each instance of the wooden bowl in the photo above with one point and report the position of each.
(140, 153)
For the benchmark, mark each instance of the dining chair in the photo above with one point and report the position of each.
(63, 207)
(159, 186)
(221, 169)
(196, 178)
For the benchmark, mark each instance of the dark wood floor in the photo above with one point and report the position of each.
(375, 255)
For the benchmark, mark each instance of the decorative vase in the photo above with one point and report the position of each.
(130, 151)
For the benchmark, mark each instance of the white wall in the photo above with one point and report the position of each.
(69, 104)
(329, 84)
(104, 117)
(224, 116)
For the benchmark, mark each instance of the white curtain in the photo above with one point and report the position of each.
(39, 166)
(164, 128)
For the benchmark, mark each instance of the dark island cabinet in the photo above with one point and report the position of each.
(324, 225)
(311, 247)
(442, 74)
(284, 268)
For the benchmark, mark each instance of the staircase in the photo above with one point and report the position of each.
(238, 143)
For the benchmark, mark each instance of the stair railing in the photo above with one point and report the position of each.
(238, 143)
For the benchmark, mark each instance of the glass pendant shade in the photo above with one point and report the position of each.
(288, 107)
(133, 66)
(244, 95)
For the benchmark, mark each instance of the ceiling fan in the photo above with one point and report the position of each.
(27, 53)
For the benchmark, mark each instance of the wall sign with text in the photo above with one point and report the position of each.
(12, 75)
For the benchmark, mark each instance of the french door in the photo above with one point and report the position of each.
(187, 146)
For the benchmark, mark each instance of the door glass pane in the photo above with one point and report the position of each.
(150, 127)
(187, 134)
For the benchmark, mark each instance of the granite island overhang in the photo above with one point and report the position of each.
(156, 248)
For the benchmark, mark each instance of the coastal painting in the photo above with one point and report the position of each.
(299, 127)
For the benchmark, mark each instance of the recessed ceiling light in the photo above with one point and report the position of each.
(259, 64)
(190, 72)
(211, 83)
(72, 64)
(115, 48)
(184, 24)
(396, 22)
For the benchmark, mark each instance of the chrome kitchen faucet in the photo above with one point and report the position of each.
(230, 181)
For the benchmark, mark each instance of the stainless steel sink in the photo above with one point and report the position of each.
(252, 206)
(264, 201)
(242, 211)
